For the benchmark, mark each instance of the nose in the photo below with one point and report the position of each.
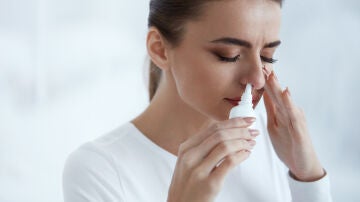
(255, 75)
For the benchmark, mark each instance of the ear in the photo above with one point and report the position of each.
(157, 48)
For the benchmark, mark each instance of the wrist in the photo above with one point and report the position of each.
(308, 176)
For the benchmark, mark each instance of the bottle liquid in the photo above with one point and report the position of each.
(245, 107)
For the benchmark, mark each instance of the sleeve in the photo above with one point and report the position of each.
(89, 176)
(317, 191)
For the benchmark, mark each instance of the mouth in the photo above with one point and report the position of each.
(235, 101)
(256, 96)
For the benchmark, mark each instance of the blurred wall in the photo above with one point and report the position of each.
(72, 70)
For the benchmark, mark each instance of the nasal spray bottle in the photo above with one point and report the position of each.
(245, 107)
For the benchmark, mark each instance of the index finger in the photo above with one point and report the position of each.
(273, 89)
(237, 122)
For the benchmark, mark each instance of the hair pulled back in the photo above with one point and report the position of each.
(169, 17)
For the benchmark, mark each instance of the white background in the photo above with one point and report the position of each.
(72, 70)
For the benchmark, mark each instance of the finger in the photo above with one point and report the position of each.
(267, 71)
(273, 88)
(270, 109)
(287, 99)
(222, 150)
(275, 93)
(219, 173)
(199, 152)
(291, 108)
(227, 124)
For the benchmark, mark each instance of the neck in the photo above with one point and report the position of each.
(168, 121)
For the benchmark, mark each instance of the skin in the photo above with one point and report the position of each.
(191, 107)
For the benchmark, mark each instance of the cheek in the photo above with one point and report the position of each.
(199, 80)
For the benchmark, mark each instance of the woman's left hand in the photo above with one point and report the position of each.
(289, 133)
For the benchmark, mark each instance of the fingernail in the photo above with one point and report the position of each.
(288, 91)
(249, 119)
(252, 143)
(254, 133)
(266, 74)
(268, 71)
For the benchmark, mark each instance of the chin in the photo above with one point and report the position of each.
(255, 104)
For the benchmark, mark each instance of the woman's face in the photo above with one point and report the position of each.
(222, 51)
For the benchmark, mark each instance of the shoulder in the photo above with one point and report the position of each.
(101, 149)
(92, 166)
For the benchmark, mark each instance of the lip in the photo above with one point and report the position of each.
(235, 101)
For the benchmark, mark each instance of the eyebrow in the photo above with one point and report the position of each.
(240, 42)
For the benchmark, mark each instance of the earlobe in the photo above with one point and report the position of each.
(156, 47)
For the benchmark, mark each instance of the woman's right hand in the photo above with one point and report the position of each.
(206, 158)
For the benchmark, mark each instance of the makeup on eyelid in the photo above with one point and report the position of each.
(225, 58)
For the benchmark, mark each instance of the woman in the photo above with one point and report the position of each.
(183, 147)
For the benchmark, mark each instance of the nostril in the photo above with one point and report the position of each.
(258, 81)
(257, 75)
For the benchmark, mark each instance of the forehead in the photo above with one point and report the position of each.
(257, 21)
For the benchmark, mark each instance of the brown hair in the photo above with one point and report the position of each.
(169, 17)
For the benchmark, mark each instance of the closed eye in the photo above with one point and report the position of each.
(268, 60)
(226, 59)
(236, 58)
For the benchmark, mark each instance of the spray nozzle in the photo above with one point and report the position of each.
(245, 107)
(246, 97)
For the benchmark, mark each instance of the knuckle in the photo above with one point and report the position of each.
(219, 136)
(243, 143)
(186, 160)
(245, 132)
(224, 146)
(216, 127)
(213, 185)
(232, 160)
(182, 149)
(198, 174)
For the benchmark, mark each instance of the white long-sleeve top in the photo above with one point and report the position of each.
(125, 166)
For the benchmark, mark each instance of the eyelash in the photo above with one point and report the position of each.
(225, 59)
(268, 60)
(236, 58)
